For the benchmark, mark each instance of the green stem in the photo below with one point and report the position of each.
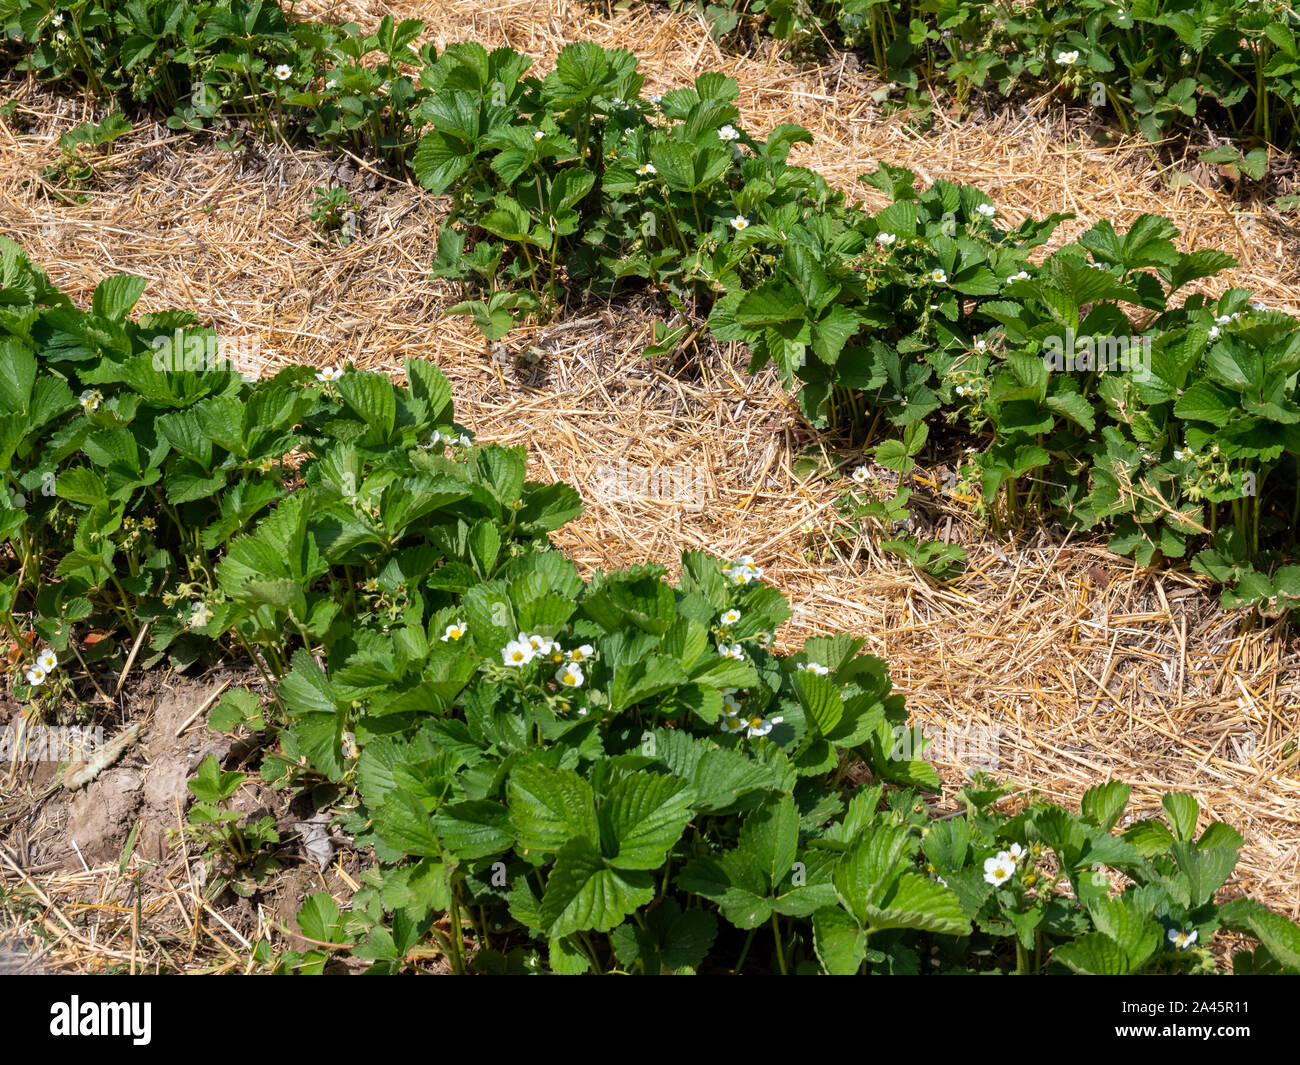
(776, 938)
(457, 941)
(744, 951)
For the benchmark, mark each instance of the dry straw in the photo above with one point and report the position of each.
(1088, 668)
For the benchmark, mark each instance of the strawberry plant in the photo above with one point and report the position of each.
(233, 843)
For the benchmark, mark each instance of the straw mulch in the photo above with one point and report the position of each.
(1081, 666)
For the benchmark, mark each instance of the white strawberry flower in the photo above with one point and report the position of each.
(999, 870)
(938, 277)
(517, 653)
(36, 676)
(980, 345)
(986, 209)
(730, 617)
(886, 239)
(808, 527)
(330, 373)
(90, 401)
(1067, 59)
(538, 135)
(646, 169)
(1256, 306)
(1222, 319)
(740, 222)
(861, 475)
(743, 570)
(1097, 266)
(454, 631)
(1182, 453)
(61, 37)
(581, 654)
(200, 615)
(48, 660)
(655, 98)
(960, 390)
(57, 20)
(542, 645)
(730, 704)
(1022, 275)
(734, 651)
(813, 667)
(728, 133)
(570, 675)
(1214, 332)
(761, 726)
(731, 725)
(284, 72)
(1180, 939)
(1017, 852)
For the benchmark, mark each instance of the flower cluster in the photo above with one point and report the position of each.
(742, 570)
(525, 649)
(46, 663)
(735, 720)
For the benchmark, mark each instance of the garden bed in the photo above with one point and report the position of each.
(1088, 667)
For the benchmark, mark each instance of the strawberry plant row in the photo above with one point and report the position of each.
(1103, 398)
(1161, 68)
